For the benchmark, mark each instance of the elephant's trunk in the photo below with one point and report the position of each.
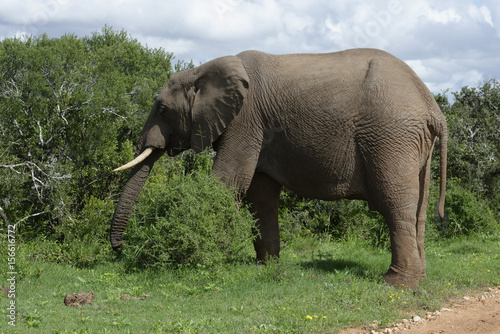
(128, 198)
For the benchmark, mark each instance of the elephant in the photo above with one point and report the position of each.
(355, 124)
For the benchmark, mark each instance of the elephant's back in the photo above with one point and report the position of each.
(349, 74)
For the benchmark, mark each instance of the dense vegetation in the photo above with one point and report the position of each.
(72, 109)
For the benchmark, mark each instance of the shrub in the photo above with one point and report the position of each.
(474, 133)
(91, 224)
(465, 213)
(343, 219)
(186, 219)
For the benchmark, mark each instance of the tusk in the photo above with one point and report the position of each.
(140, 158)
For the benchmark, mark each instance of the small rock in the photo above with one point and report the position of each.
(143, 297)
(419, 292)
(405, 321)
(125, 297)
(79, 299)
(466, 298)
(416, 319)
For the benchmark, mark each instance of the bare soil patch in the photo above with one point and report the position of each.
(479, 314)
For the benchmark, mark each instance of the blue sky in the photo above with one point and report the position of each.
(449, 43)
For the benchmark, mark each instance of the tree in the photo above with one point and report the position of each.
(70, 109)
(474, 127)
(474, 140)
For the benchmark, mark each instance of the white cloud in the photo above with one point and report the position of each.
(481, 14)
(487, 15)
(296, 24)
(444, 16)
(449, 42)
(176, 46)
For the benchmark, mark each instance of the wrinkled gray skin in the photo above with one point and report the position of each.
(356, 124)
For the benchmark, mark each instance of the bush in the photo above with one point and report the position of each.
(465, 213)
(342, 219)
(186, 219)
(92, 224)
(474, 137)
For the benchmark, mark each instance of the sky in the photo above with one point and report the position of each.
(449, 43)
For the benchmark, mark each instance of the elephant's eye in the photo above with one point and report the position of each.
(162, 111)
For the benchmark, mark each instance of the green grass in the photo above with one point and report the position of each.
(317, 286)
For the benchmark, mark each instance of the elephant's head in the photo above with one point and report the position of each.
(192, 110)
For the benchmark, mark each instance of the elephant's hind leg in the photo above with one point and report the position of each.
(405, 268)
(263, 195)
(399, 206)
(422, 214)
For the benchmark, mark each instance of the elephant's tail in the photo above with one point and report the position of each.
(443, 148)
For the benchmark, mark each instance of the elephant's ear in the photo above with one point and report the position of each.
(219, 93)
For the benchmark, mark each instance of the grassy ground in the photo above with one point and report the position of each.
(318, 286)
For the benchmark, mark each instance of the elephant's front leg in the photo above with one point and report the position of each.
(263, 195)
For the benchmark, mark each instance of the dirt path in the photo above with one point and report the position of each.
(469, 315)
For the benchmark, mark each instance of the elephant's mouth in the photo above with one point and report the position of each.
(172, 152)
(177, 145)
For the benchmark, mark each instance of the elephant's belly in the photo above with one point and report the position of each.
(326, 179)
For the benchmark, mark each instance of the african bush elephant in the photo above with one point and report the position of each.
(355, 124)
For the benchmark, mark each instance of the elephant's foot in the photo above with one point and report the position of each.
(267, 259)
(397, 280)
(117, 244)
(267, 250)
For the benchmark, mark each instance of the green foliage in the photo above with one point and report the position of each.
(343, 219)
(473, 196)
(70, 109)
(474, 138)
(186, 219)
(466, 213)
(93, 222)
